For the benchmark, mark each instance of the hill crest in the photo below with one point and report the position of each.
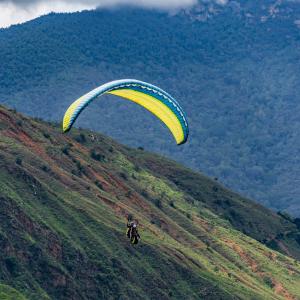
(64, 201)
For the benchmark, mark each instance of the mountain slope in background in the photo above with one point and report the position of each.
(234, 71)
(259, 11)
(64, 201)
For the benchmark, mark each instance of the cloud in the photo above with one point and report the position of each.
(15, 13)
(221, 2)
(19, 11)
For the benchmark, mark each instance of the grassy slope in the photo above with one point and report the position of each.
(62, 218)
(8, 293)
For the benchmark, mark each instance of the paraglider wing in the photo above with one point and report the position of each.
(154, 99)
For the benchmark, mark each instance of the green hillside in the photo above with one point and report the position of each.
(8, 293)
(64, 201)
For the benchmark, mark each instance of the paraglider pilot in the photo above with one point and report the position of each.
(132, 231)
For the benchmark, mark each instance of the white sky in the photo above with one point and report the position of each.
(19, 11)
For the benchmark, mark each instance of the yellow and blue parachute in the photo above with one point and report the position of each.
(154, 99)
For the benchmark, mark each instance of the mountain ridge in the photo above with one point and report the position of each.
(64, 202)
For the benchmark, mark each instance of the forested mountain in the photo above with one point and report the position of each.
(234, 68)
(64, 201)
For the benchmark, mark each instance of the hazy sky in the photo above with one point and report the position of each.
(18, 11)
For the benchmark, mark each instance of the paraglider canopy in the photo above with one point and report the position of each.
(154, 99)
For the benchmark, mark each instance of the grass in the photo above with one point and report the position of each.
(8, 293)
(62, 237)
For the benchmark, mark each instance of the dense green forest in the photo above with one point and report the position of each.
(64, 202)
(237, 79)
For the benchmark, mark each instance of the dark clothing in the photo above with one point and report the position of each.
(128, 232)
(132, 233)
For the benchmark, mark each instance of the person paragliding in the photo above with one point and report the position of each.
(152, 98)
(132, 231)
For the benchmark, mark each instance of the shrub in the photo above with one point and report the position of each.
(172, 204)
(46, 135)
(12, 265)
(97, 156)
(297, 222)
(128, 194)
(215, 188)
(158, 203)
(19, 161)
(81, 138)
(145, 194)
(46, 169)
(79, 166)
(137, 168)
(80, 169)
(285, 215)
(99, 184)
(156, 221)
(124, 176)
(66, 150)
(268, 281)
